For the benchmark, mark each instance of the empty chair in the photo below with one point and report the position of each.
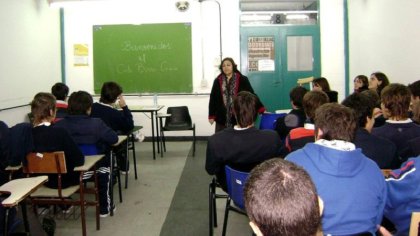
(235, 185)
(180, 120)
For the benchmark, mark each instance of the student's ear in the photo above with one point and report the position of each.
(89, 111)
(53, 112)
(321, 205)
(318, 133)
(255, 228)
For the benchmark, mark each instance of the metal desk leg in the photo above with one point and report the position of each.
(153, 134)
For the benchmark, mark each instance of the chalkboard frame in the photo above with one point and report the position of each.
(143, 59)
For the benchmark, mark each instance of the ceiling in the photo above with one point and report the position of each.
(278, 5)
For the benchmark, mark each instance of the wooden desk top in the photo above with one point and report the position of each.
(19, 189)
(121, 139)
(145, 108)
(90, 161)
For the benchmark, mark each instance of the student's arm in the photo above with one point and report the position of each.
(74, 155)
(212, 163)
(213, 101)
(125, 121)
(107, 135)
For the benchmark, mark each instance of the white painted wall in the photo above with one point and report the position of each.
(382, 35)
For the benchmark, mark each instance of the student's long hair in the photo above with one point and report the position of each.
(43, 107)
(384, 81)
(323, 83)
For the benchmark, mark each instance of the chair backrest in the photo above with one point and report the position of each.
(235, 181)
(180, 118)
(45, 163)
(268, 120)
(88, 149)
(415, 223)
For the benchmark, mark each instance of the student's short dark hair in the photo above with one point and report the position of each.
(296, 95)
(245, 108)
(79, 103)
(336, 122)
(234, 66)
(362, 105)
(41, 106)
(312, 100)
(396, 98)
(415, 88)
(281, 199)
(374, 96)
(323, 83)
(60, 91)
(110, 92)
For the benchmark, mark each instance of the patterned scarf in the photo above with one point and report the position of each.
(229, 88)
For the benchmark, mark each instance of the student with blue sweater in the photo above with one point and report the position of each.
(87, 130)
(350, 184)
(403, 195)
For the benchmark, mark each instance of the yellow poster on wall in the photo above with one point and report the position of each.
(81, 54)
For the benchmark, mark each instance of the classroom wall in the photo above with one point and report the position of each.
(381, 35)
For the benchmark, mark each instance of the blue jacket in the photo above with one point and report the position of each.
(403, 195)
(351, 185)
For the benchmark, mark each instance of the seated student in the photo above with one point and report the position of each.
(281, 199)
(350, 184)
(399, 129)
(243, 146)
(298, 137)
(120, 121)
(87, 130)
(378, 81)
(380, 117)
(403, 195)
(361, 83)
(296, 117)
(60, 91)
(415, 97)
(321, 84)
(4, 152)
(380, 150)
(48, 138)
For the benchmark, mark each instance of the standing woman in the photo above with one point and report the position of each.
(225, 87)
(378, 81)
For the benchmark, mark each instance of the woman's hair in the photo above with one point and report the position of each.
(60, 91)
(235, 67)
(384, 81)
(365, 82)
(42, 105)
(110, 92)
(79, 103)
(396, 98)
(323, 83)
(245, 108)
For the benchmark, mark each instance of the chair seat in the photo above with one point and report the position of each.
(44, 191)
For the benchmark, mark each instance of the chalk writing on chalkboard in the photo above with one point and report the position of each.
(146, 58)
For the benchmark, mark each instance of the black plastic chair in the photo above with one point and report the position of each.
(235, 181)
(180, 120)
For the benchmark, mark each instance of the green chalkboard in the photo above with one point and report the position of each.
(147, 58)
